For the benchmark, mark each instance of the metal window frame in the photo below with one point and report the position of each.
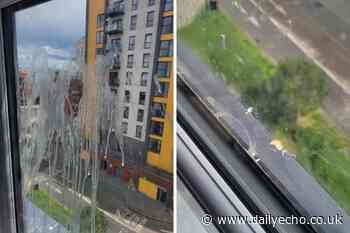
(11, 214)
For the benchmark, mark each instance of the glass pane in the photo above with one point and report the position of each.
(276, 74)
(84, 137)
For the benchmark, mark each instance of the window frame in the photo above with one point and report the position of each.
(100, 19)
(11, 215)
(133, 25)
(148, 44)
(150, 16)
(146, 63)
(130, 61)
(132, 43)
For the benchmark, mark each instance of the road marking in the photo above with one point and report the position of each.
(304, 47)
(138, 228)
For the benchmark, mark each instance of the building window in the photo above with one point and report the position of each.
(116, 44)
(118, 6)
(100, 20)
(163, 89)
(130, 63)
(133, 21)
(126, 113)
(146, 60)
(134, 4)
(125, 127)
(118, 24)
(158, 110)
(157, 128)
(113, 79)
(99, 51)
(129, 77)
(151, 2)
(142, 98)
(144, 78)
(154, 145)
(166, 48)
(99, 37)
(163, 69)
(168, 5)
(167, 25)
(138, 131)
(127, 96)
(150, 19)
(140, 114)
(132, 40)
(148, 41)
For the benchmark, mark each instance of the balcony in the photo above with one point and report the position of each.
(115, 11)
(114, 79)
(158, 110)
(114, 29)
(115, 62)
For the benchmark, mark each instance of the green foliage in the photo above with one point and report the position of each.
(241, 61)
(296, 88)
(63, 215)
(85, 221)
(281, 94)
(50, 206)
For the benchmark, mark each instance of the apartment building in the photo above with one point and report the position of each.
(156, 181)
(138, 36)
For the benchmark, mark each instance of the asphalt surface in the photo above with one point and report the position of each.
(303, 28)
(297, 182)
(113, 204)
(37, 221)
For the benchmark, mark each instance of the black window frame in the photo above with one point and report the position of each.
(150, 19)
(138, 128)
(153, 141)
(168, 27)
(161, 68)
(100, 20)
(133, 22)
(142, 98)
(151, 2)
(140, 115)
(134, 5)
(132, 43)
(99, 37)
(146, 60)
(143, 82)
(168, 5)
(148, 44)
(130, 61)
(166, 48)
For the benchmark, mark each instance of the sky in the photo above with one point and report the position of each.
(56, 25)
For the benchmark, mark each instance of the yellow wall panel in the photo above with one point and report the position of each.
(148, 188)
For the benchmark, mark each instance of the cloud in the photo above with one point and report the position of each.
(56, 24)
(57, 58)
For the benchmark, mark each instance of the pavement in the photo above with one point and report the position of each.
(126, 210)
(228, 108)
(37, 221)
(316, 30)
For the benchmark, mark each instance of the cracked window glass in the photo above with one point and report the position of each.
(84, 169)
(275, 75)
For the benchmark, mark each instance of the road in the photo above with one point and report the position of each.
(118, 221)
(224, 104)
(303, 28)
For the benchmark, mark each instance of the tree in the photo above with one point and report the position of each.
(296, 88)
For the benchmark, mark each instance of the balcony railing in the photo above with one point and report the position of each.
(114, 29)
(115, 10)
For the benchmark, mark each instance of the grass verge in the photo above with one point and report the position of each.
(321, 149)
(63, 215)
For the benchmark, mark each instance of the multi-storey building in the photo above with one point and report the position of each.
(138, 36)
(156, 181)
